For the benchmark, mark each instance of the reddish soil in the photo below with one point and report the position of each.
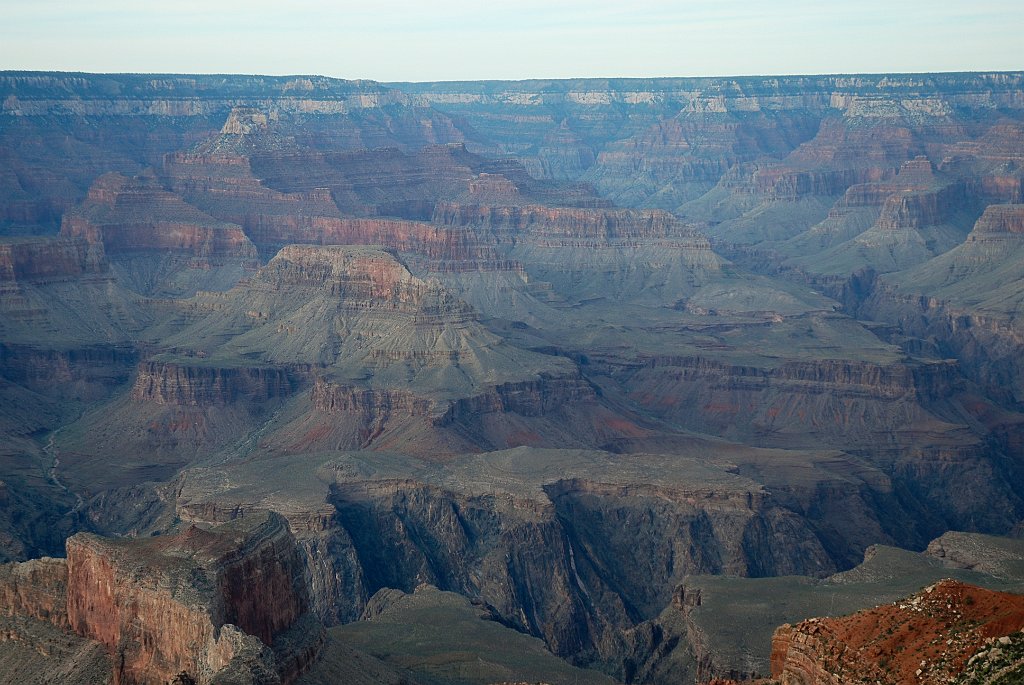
(925, 638)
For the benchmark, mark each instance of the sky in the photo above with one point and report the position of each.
(433, 40)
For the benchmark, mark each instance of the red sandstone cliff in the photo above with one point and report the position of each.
(193, 602)
(223, 604)
(999, 221)
(36, 589)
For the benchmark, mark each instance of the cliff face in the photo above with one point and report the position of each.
(537, 534)
(227, 604)
(569, 587)
(35, 589)
(837, 398)
(929, 637)
(43, 260)
(999, 220)
(192, 603)
(527, 221)
(203, 386)
(157, 242)
(129, 215)
(916, 210)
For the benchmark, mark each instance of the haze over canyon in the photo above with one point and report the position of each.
(306, 380)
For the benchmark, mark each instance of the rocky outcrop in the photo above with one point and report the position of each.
(526, 398)
(549, 562)
(198, 603)
(49, 260)
(35, 589)
(88, 373)
(929, 637)
(828, 395)
(171, 383)
(130, 215)
(782, 183)
(919, 209)
(999, 222)
(513, 223)
(373, 404)
(228, 604)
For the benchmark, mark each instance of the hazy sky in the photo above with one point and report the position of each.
(407, 40)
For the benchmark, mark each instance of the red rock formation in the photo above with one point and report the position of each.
(131, 215)
(205, 602)
(177, 604)
(359, 279)
(226, 186)
(36, 589)
(928, 637)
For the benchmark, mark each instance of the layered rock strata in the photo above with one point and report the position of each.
(199, 603)
(48, 260)
(205, 605)
(928, 637)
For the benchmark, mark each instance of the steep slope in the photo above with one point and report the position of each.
(474, 648)
(227, 604)
(156, 243)
(928, 637)
(571, 546)
(967, 301)
(336, 347)
(719, 627)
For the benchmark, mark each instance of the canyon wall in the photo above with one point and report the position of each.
(207, 605)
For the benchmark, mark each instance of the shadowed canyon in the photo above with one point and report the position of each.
(305, 380)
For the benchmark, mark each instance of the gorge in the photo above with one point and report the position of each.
(298, 372)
